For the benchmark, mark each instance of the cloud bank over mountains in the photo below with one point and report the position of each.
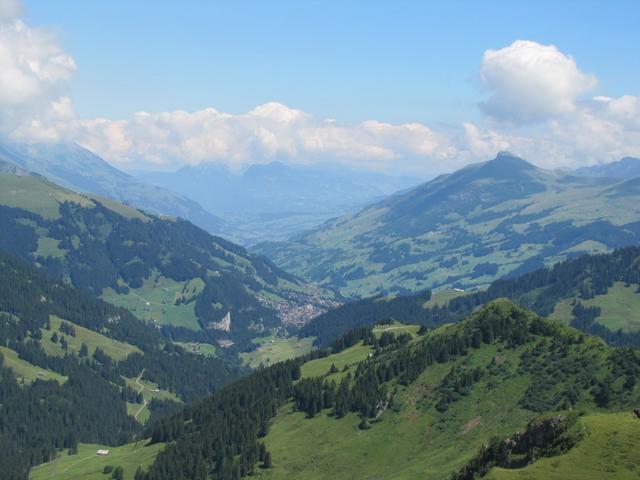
(538, 104)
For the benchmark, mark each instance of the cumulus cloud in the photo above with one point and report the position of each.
(34, 76)
(269, 131)
(602, 130)
(528, 82)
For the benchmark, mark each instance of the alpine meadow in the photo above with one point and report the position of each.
(319, 240)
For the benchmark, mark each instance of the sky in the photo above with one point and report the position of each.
(396, 86)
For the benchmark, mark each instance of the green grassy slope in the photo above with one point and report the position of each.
(609, 449)
(87, 465)
(620, 307)
(271, 350)
(37, 196)
(117, 350)
(409, 441)
(150, 391)
(155, 300)
(26, 372)
(417, 439)
(467, 228)
(412, 406)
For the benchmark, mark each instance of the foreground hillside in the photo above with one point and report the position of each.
(165, 270)
(74, 369)
(406, 406)
(468, 228)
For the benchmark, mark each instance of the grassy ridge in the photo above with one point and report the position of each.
(37, 196)
(347, 358)
(410, 441)
(423, 436)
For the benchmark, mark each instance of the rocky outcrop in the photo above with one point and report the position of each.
(224, 324)
(541, 438)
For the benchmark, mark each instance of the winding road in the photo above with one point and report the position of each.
(144, 400)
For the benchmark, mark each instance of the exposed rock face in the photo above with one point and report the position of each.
(541, 438)
(525, 446)
(224, 324)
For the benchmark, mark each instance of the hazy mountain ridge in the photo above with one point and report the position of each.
(624, 169)
(485, 221)
(79, 169)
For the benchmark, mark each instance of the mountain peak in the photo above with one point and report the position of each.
(506, 153)
(508, 158)
(506, 166)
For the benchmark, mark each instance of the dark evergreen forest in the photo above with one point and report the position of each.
(38, 418)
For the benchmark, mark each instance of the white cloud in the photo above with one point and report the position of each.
(529, 82)
(600, 131)
(10, 10)
(34, 76)
(269, 131)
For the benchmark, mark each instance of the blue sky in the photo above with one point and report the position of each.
(397, 86)
(395, 61)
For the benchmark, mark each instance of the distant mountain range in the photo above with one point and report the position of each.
(627, 168)
(485, 221)
(275, 200)
(76, 168)
(265, 203)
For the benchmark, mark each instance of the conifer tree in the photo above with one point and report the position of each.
(267, 460)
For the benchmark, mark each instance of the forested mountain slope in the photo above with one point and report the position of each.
(167, 271)
(599, 294)
(468, 228)
(71, 367)
(404, 406)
